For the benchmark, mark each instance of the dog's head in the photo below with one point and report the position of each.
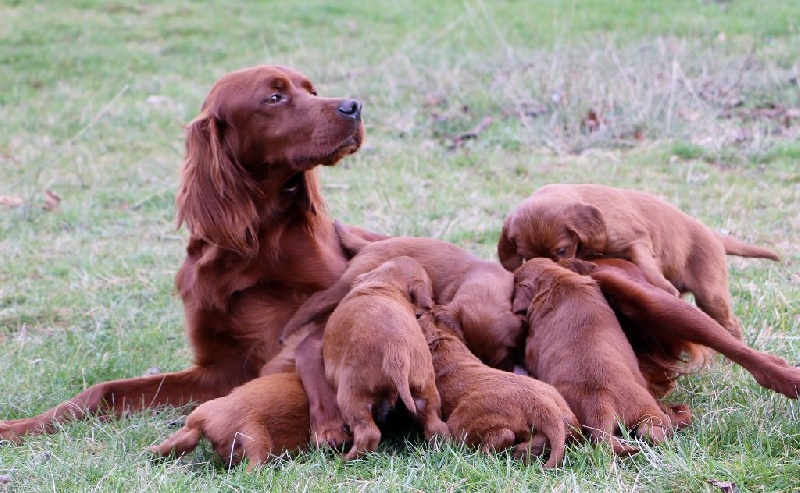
(407, 275)
(259, 134)
(530, 279)
(492, 334)
(542, 228)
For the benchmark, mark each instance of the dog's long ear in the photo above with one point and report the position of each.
(507, 248)
(215, 198)
(587, 223)
(448, 317)
(523, 295)
(419, 291)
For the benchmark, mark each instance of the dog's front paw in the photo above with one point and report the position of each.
(331, 433)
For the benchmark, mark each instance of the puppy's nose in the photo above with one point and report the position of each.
(351, 108)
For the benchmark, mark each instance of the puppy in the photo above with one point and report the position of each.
(374, 352)
(494, 409)
(676, 252)
(670, 336)
(477, 292)
(257, 421)
(576, 345)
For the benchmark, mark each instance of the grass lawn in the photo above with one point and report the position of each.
(696, 101)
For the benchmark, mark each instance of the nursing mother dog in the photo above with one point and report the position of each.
(260, 242)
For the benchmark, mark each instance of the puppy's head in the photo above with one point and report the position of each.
(407, 275)
(551, 230)
(492, 335)
(533, 277)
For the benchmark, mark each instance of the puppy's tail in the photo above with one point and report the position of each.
(556, 434)
(741, 249)
(396, 366)
(350, 243)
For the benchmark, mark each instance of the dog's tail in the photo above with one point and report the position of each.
(557, 430)
(396, 365)
(741, 249)
(351, 243)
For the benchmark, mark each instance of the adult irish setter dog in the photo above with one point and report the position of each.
(260, 239)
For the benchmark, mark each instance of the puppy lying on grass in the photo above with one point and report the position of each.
(257, 421)
(576, 344)
(493, 409)
(374, 352)
(676, 252)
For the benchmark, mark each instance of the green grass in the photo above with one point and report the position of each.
(94, 96)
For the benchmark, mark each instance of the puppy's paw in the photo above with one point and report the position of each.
(334, 434)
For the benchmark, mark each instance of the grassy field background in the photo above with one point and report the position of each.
(696, 101)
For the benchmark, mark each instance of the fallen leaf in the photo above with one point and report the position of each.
(10, 200)
(51, 200)
(591, 121)
(460, 139)
(725, 486)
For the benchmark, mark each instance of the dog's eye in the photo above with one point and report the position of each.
(314, 93)
(275, 98)
(561, 252)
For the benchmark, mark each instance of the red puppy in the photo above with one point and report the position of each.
(495, 409)
(675, 251)
(576, 345)
(374, 352)
(259, 420)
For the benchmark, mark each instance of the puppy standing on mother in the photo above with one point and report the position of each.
(676, 252)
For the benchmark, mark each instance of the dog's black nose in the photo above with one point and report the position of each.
(351, 108)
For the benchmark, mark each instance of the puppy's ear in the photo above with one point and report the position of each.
(524, 292)
(419, 292)
(507, 248)
(587, 223)
(578, 266)
(215, 198)
(448, 317)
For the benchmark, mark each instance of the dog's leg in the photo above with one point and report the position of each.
(357, 412)
(496, 440)
(674, 318)
(680, 415)
(259, 447)
(536, 446)
(642, 255)
(196, 384)
(430, 415)
(181, 442)
(707, 279)
(652, 426)
(718, 307)
(327, 425)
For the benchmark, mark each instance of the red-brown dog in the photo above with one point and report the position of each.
(258, 421)
(374, 352)
(676, 252)
(260, 240)
(576, 345)
(667, 333)
(477, 293)
(493, 409)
